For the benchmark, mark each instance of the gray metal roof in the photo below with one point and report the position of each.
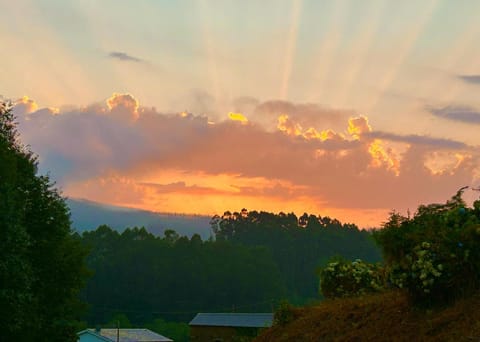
(248, 320)
(131, 335)
(91, 332)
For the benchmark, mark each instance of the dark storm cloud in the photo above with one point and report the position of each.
(457, 113)
(122, 56)
(475, 79)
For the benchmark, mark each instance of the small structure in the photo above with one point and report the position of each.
(124, 335)
(224, 327)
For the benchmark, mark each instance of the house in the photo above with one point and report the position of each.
(224, 327)
(124, 335)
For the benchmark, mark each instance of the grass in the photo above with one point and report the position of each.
(382, 317)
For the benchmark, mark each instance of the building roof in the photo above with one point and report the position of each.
(92, 332)
(127, 335)
(247, 320)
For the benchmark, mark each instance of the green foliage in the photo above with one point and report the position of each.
(284, 314)
(342, 278)
(119, 320)
(298, 244)
(177, 331)
(144, 276)
(16, 274)
(256, 259)
(41, 262)
(435, 255)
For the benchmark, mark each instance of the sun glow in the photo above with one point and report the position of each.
(237, 117)
(28, 103)
(199, 193)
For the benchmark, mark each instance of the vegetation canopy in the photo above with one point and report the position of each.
(255, 260)
(41, 262)
(342, 278)
(435, 254)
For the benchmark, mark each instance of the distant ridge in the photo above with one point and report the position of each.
(88, 215)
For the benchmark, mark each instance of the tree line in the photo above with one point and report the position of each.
(254, 261)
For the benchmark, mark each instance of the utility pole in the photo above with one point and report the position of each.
(118, 331)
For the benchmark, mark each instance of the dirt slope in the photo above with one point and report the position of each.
(384, 317)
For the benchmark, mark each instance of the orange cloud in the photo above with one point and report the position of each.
(182, 163)
(179, 197)
(383, 157)
(124, 104)
(26, 105)
(287, 126)
(358, 126)
(303, 114)
(291, 128)
(210, 193)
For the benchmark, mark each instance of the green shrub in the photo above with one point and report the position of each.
(436, 254)
(284, 314)
(343, 278)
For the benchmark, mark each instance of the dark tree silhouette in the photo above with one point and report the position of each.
(41, 262)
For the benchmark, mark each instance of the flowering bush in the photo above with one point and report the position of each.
(342, 278)
(436, 254)
(425, 273)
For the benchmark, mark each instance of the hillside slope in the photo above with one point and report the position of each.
(88, 215)
(384, 317)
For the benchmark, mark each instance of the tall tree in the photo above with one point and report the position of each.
(299, 245)
(41, 262)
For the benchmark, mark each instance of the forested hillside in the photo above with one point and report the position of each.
(255, 260)
(299, 245)
(174, 277)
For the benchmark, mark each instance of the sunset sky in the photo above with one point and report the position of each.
(342, 108)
